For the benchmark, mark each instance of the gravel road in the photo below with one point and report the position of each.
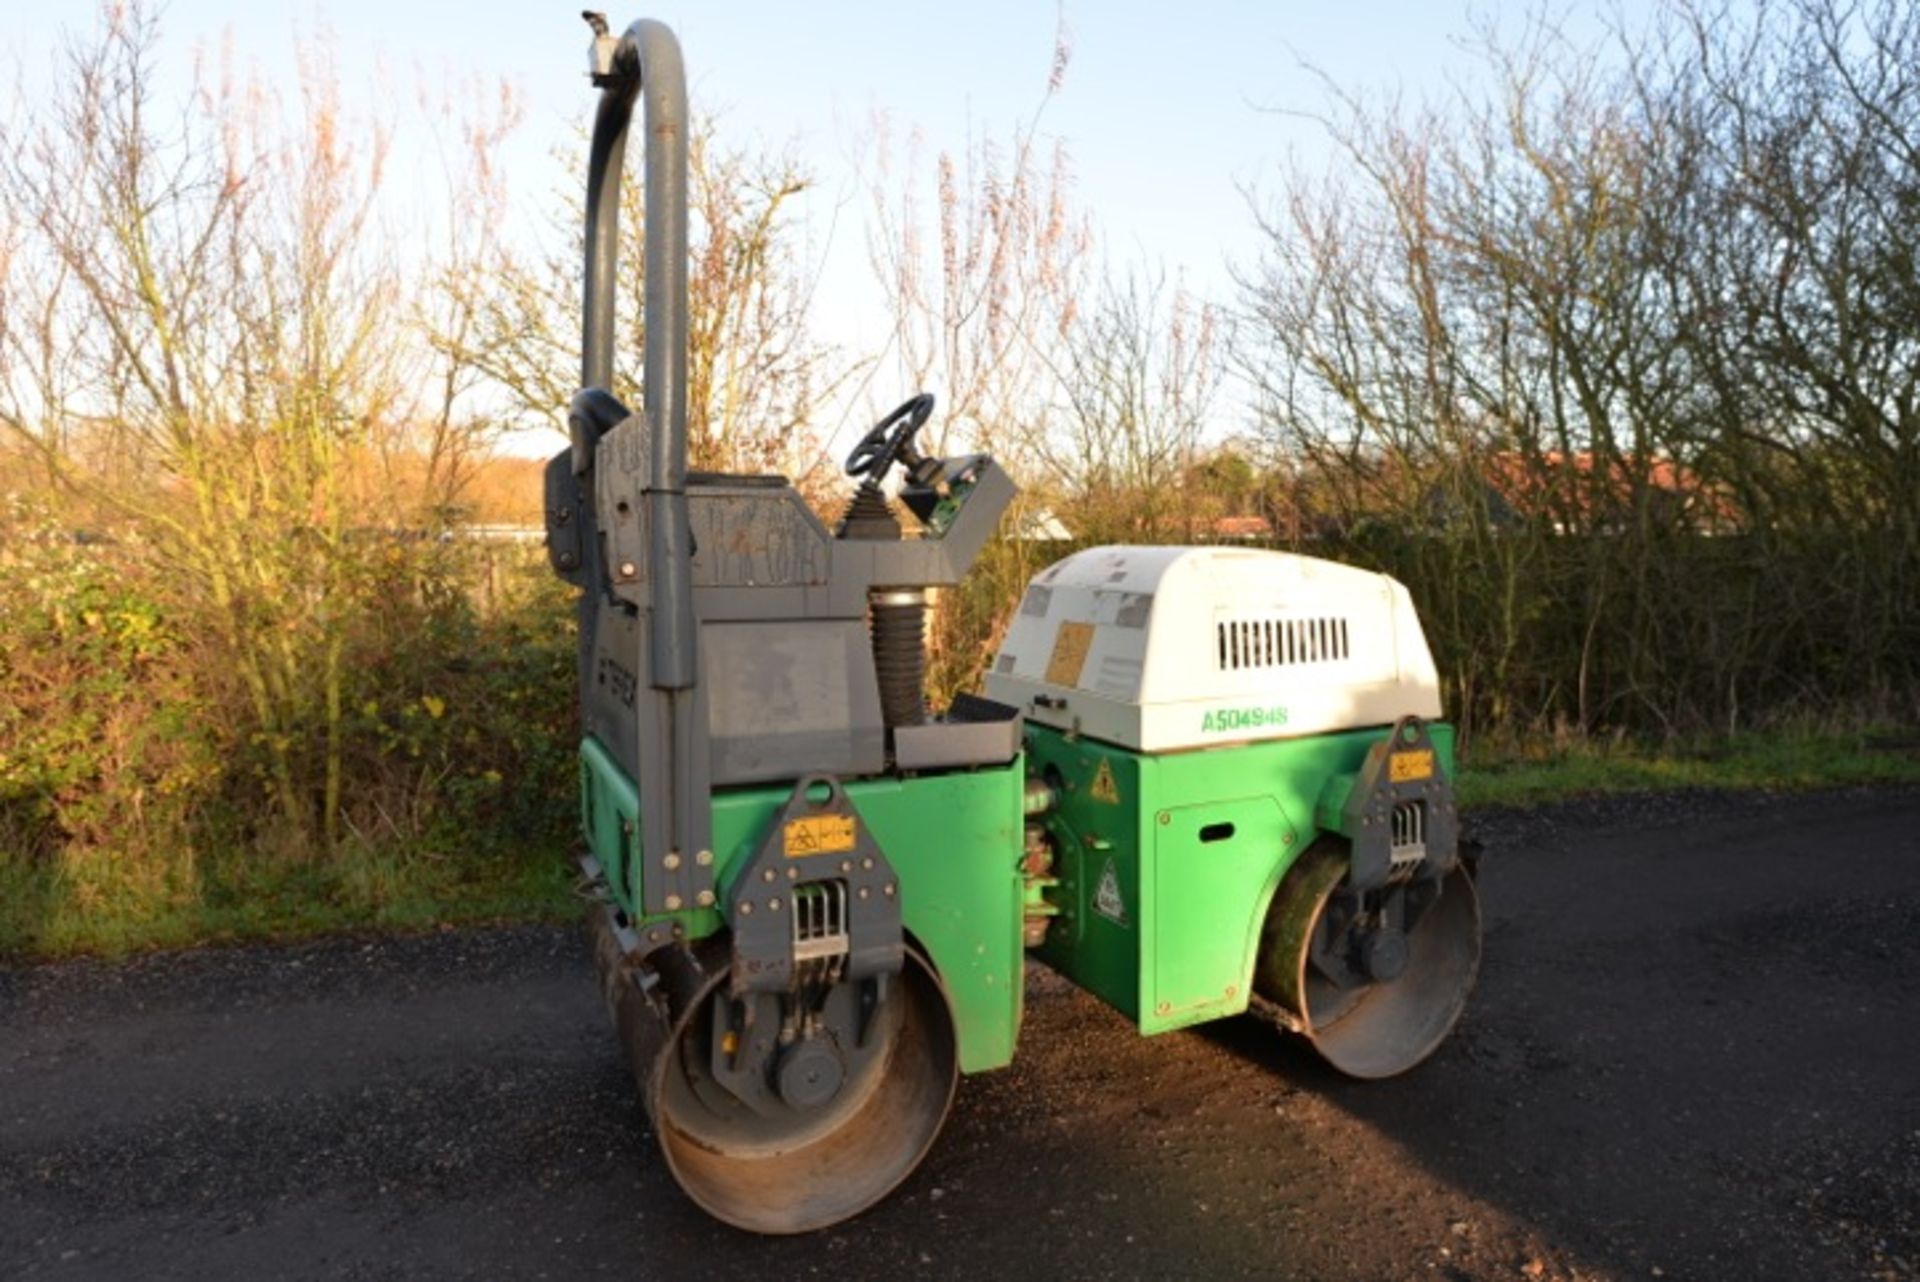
(1694, 1053)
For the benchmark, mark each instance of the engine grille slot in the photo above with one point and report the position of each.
(1278, 642)
(1408, 840)
(820, 920)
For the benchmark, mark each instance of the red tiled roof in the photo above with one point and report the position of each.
(1529, 484)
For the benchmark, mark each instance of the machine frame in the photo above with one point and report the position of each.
(812, 893)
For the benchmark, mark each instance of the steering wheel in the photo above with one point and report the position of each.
(880, 447)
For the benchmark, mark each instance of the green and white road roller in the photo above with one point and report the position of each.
(1199, 782)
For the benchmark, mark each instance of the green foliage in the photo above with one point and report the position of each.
(1791, 760)
(1665, 635)
(103, 742)
(460, 719)
(969, 619)
(137, 795)
(246, 898)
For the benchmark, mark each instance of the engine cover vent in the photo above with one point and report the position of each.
(1273, 643)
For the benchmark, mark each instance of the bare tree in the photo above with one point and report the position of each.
(756, 374)
(983, 260)
(1550, 345)
(204, 337)
(1140, 376)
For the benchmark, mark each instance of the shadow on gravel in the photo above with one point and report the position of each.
(1691, 1051)
(993, 1201)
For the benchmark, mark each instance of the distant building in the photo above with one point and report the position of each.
(1241, 529)
(1576, 493)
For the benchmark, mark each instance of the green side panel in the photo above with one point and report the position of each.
(1207, 857)
(1210, 833)
(1095, 941)
(954, 839)
(609, 815)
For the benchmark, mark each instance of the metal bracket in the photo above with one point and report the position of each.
(674, 881)
(602, 55)
(633, 943)
(818, 901)
(1399, 813)
(1274, 1014)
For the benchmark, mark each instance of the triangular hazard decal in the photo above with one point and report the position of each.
(1106, 897)
(1104, 788)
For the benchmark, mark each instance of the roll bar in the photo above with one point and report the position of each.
(646, 62)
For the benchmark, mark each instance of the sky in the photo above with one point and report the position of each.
(1172, 114)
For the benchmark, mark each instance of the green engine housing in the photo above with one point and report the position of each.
(1167, 862)
(953, 838)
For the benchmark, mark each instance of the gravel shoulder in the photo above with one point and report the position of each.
(1691, 1056)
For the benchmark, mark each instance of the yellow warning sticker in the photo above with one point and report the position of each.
(817, 835)
(1104, 788)
(1070, 646)
(1406, 767)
